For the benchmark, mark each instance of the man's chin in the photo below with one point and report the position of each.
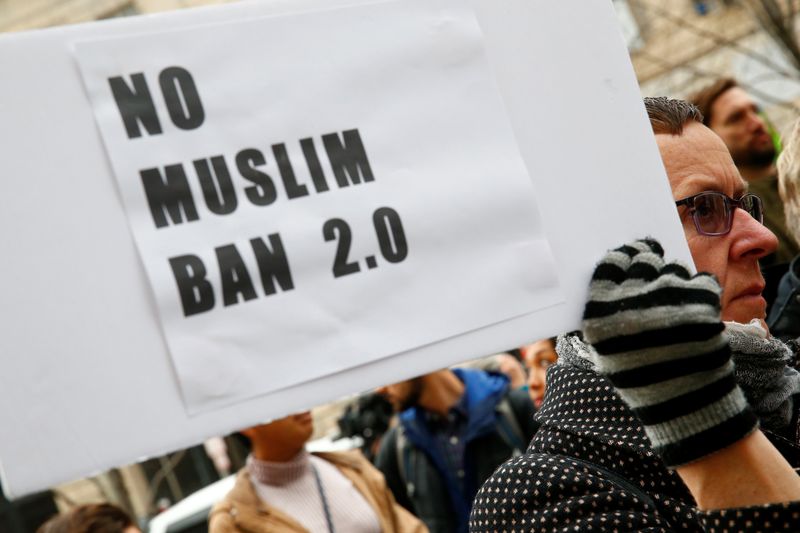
(745, 308)
(762, 157)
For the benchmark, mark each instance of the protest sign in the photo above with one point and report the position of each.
(87, 379)
(235, 177)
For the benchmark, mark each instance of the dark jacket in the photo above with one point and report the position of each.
(784, 316)
(590, 467)
(416, 472)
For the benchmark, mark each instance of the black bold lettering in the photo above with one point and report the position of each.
(219, 193)
(235, 278)
(272, 264)
(170, 192)
(197, 295)
(314, 168)
(182, 99)
(135, 105)
(348, 160)
(293, 189)
(262, 192)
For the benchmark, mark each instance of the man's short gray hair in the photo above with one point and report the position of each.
(669, 115)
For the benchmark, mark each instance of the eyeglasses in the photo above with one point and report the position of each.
(712, 211)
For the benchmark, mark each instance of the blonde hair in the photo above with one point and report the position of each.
(789, 181)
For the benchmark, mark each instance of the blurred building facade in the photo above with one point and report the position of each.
(677, 47)
(19, 15)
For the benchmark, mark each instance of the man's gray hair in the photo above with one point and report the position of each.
(669, 115)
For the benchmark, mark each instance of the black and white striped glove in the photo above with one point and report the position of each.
(660, 341)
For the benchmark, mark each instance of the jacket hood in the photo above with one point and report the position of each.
(483, 391)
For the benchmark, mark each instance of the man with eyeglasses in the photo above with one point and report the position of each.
(646, 424)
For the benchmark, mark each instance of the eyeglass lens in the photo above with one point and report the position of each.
(713, 211)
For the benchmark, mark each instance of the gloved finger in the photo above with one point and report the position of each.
(676, 269)
(646, 266)
(613, 268)
(648, 245)
(710, 283)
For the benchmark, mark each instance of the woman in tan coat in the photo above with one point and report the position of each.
(283, 488)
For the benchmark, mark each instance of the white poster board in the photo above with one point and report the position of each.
(86, 379)
(234, 178)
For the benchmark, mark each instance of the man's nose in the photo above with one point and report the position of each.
(755, 122)
(751, 238)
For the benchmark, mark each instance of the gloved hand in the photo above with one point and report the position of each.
(660, 341)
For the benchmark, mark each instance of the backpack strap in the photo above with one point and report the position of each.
(509, 427)
(614, 477)
(406, 461)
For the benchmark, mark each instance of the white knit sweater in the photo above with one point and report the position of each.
(290, 486)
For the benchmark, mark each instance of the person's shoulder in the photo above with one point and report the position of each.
(389, 439)
(520, 479)
(548, 491)
(351, 458)
(220, 517)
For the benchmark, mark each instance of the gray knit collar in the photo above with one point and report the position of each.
(574, 352)
(762, 365)
(764, 371)
(279, 473)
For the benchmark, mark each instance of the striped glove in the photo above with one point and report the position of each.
(660, 341)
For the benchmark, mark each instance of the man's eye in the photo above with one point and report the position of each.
(703, 211)
(736, 117)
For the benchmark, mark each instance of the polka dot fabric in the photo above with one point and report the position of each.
(590, 468)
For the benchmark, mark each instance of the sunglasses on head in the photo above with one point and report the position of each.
(712, 212)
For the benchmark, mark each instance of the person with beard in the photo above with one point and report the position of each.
(732, 114)
(455, 427)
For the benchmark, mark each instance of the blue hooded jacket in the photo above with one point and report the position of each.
(483, 391)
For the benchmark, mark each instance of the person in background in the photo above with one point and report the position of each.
(784, 317)
(732, 114)
(91, 518)
(367, 417)
(506, 363)
(537, 358)
(455, 427)
(283, 488)
(217, 451)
